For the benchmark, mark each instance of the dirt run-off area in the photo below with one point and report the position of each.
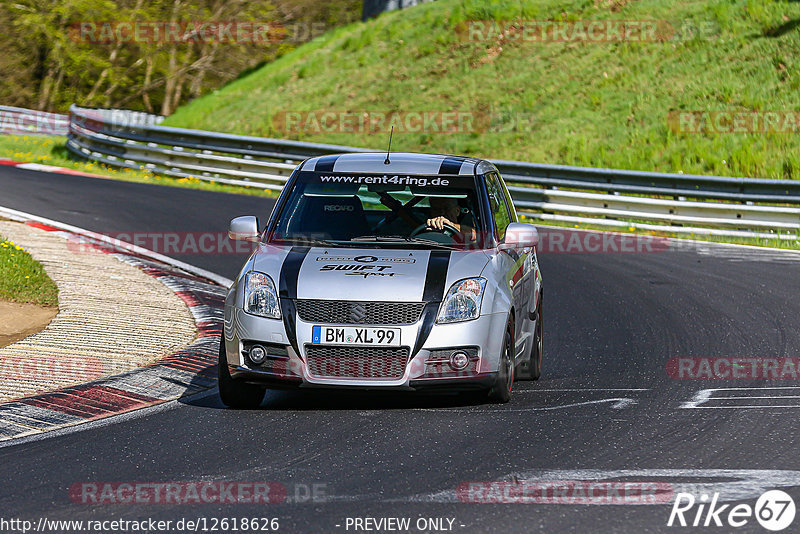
(18, 321)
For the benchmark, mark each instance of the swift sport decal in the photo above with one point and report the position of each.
(361, 270)
(363, 274)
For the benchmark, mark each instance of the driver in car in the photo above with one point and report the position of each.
(444, 211)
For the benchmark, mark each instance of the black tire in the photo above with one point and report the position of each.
(537, 352)
(501, 391)
(235, 394)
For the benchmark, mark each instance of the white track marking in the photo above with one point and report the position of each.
(746, 407)
(747, 398)
(618, 403)
(705, 396)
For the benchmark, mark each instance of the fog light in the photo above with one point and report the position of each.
(257, 354)
(459, 360)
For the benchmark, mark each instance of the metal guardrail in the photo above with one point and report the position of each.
(673, 202)
(30, 122)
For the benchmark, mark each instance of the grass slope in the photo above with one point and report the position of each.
(22, 279)
(580, 103)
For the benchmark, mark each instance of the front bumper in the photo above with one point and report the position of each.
(483, 336)
(441, 385)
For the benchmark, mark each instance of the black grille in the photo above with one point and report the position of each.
(358, 312)
(357, 362)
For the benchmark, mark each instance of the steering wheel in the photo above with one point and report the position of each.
(449, 230)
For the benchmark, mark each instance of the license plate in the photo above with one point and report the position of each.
(351, 335)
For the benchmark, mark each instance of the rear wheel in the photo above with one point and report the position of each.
(235, 394)
(501, 391)
(537, 352)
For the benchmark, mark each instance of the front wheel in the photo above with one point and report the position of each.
(235, 394)
(501, 391)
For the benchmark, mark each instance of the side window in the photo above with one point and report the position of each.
(497, 202)
(509, 202)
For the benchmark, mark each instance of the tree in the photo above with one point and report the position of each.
(58, 52)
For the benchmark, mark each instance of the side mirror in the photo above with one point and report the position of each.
(244, 228)
(519, 236)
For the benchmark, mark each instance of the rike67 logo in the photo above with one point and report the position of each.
(774, 510)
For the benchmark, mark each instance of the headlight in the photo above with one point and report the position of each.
(260, 297)
(463, 301)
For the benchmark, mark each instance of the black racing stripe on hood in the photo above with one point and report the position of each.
(435, 278)
(290, 272)
(436, 275)
(287, 291)
(326, 163)
(450, 166)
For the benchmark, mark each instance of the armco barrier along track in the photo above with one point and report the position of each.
(672, 202)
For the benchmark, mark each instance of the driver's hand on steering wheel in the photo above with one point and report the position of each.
(437, 223)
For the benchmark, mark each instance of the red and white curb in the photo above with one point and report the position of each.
(185, 372)
(41, 167)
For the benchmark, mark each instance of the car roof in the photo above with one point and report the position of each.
(400, 162)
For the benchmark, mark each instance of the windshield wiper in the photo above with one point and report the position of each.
(304, 240)
(401, 239)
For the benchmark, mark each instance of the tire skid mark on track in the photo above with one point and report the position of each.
(185, 372)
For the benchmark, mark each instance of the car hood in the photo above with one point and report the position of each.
(387, 275)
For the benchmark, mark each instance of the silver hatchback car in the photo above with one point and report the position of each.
(408, 272)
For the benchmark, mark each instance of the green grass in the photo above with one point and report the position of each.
(22, 279)
(53, 151)
(578, 103)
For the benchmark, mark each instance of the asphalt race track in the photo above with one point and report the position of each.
(605, 403)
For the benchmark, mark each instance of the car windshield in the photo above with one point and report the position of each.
(382, 210)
